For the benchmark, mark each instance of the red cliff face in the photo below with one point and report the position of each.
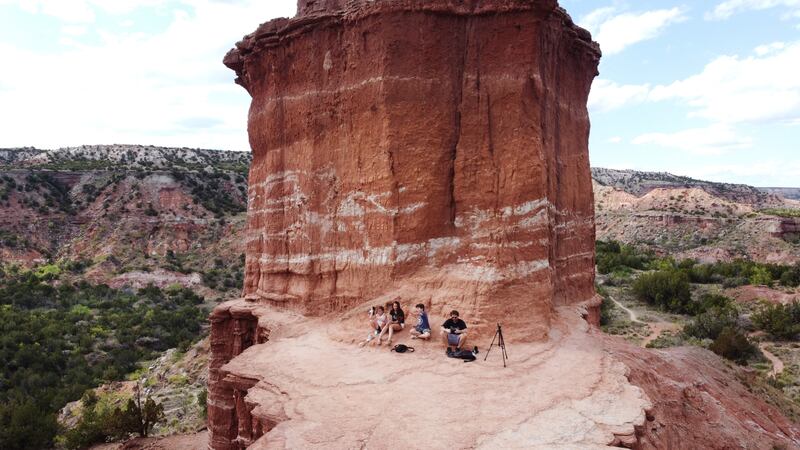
(436, 144)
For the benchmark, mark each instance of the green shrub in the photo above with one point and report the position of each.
(666, 289)
(711, 322)
(613, 256)
(761, 276)
(791, 276)
(59, 341)
(780, 321)
(733, 344)
(104, 424)
(606, 307)
(782, 212)
(202, 402)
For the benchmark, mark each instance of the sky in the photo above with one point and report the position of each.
(708, 89)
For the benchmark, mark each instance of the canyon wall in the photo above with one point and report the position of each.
(432, 145)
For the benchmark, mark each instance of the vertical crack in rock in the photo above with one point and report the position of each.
(458, 95)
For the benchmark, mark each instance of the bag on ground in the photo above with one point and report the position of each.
(402, 348)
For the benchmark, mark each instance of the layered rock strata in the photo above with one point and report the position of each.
(437, 143)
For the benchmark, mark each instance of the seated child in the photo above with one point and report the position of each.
(377, 320)
(422, 329)
(397, 321)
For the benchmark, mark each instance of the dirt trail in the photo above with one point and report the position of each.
(656, 329)
(777, 364)
(634, 318)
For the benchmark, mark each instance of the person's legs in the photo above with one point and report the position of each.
(453, 340)
(383, 331)
(425, 334)
(392, 328)
(462, 338)
(370, 336)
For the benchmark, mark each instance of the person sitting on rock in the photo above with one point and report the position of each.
(423, 328)
(377, 321)
(397, 322)
(454, 331)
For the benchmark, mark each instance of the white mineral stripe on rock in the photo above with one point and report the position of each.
(475, 218)
(534, 221)
(289, 175)
(352, 205)
(437, 244)
(491, 273)
(501, 245)
(369, 256)
(525, 268)
(409, 252)
(352, 87)
(575, 223)
(531, 206)
(588, 254)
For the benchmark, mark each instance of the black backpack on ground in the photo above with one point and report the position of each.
(466, 355)
(402, 348)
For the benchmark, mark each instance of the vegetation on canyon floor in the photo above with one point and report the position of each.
(59, 338)
(685, 303)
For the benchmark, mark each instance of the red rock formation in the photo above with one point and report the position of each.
(434, 151)
(432, 144)
(698, 402)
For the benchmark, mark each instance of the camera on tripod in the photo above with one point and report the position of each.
(498, 336)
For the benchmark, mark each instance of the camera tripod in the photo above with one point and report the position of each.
(498, 335)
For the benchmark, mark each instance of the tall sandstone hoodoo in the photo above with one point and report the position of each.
(434, 144)
(433, 152)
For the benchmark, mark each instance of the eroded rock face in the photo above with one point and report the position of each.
(429, 144)
(699, 402)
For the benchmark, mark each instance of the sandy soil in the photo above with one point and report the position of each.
(655, 328)
(746, 294)
(777, 364)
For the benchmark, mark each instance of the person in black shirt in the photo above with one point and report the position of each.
(397, 321)
(454, 331)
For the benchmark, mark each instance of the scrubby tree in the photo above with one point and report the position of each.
(781, 321)
(734, 345)
(666, 289)
(761, 276)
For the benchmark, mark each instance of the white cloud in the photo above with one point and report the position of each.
(73, 30)
(81, 11)
(730, 89)
(773, 173)
(712, 140)
(617, 32)
(766, 49)
(607, 95)
(66, 10)
(728, 8)
(136, 88)
(614, 140)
